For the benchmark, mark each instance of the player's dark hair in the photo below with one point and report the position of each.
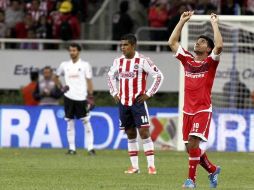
(34, 75)
(75, 45)
(130, 37)
(209, 42)
(47, 67)
(124, 6)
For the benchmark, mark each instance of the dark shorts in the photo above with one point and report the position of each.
(75, 109)
(133, 116)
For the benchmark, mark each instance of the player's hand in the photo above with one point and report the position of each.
(186, 15)
(117, 99)
(214, 18)
(90, 102)
(46, 92)
(65, 88)
(142, 98)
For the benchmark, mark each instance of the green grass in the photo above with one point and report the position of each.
(51, 169)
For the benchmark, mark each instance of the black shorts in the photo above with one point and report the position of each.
(75, 109)
(133, 116)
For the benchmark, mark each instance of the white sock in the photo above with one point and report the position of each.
(133, 152)
(149, 151)
(71, 134)
(89, 138)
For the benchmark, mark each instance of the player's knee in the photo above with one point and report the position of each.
(131, 133)
(85, 120)
(144, 133)
(193, 142)
(70, 124)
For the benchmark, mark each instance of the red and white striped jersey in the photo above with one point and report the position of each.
(132, 75)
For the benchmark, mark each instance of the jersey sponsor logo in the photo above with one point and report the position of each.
(73, 76)
(127, 75)
(191, 75)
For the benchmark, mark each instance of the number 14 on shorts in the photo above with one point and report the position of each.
(144, 119)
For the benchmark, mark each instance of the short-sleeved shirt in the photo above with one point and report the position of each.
(199, 78)
(75, 75)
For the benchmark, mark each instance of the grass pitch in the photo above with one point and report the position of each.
(51, 169)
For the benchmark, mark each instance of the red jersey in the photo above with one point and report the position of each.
(132, 75)
(199, 78)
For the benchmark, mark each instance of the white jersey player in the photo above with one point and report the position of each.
(78, 98)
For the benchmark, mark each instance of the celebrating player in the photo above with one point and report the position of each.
(132, 69)
(199, 76)
(78, 98)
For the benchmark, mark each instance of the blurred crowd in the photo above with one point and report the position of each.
(43, 19)
(159, 14)
(61, 19)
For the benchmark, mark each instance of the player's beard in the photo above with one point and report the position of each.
(198, 52)
(74, 57)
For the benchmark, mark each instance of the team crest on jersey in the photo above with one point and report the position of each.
(136, 66)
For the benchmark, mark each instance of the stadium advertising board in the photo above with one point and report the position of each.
(16, 66)
(44, 127)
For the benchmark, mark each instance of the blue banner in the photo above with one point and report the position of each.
(45, 127)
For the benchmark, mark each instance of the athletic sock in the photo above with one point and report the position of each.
(71, 134)
(206, 164)
(149, 151)
(89, 135)
(133, 152)
(194, 159)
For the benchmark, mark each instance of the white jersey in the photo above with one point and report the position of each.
(132, 75)
(75, 75)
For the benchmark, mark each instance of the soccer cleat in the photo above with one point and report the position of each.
(189, 184)
(91, 152)
(71, 152)
(213, 178)
(152, 170)
(132, 170)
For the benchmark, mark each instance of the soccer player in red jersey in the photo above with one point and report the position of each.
(132, 69)
(199, 76)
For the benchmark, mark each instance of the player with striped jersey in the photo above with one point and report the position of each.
(131, 70)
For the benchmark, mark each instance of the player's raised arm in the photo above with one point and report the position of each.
(218, 42)
(173, 40)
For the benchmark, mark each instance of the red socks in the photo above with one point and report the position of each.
(206, 164)
(194, 159)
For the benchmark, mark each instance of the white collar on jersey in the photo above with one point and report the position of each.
(136, 55)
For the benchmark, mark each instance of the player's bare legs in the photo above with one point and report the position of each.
(148, 149)
(133, 149)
